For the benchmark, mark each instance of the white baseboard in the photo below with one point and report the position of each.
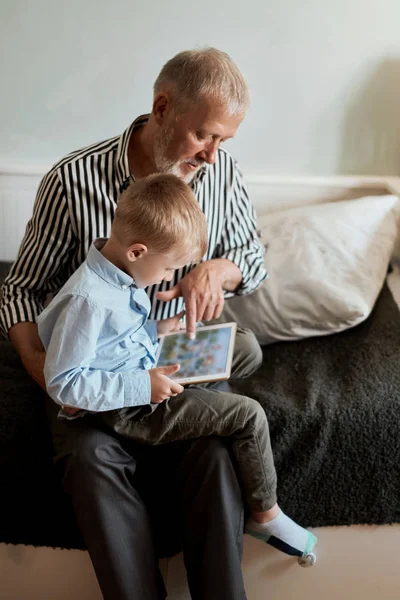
(19, 183)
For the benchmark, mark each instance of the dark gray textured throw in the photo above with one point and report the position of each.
(334, 412)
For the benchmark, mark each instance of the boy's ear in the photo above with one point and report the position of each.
(135, 252)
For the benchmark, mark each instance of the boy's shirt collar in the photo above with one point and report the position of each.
(106, 269)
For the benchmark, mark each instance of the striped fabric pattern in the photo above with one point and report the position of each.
(75, 204)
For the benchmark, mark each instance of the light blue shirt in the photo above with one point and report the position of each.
(98, 340)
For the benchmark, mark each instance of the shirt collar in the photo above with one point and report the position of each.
(199, 175)
(105, 269)
(123, 171)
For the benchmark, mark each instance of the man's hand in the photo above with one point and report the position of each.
(172, 324)
(162, 387)
(34, 364)
(203, 291)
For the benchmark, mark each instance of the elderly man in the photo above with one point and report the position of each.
(200, 99)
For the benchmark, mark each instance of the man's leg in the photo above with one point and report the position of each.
(111, 515)
(247, 358)
(212, 511)
(115, 523)
(247, 355)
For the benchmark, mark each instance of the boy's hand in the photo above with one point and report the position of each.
(162, 387)
(70, 410)
(172, 324)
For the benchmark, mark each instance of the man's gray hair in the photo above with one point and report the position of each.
(207, 73)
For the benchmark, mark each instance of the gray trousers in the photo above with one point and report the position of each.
(201, 411)
(197, 494)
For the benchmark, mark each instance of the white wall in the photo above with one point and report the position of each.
(324, 74)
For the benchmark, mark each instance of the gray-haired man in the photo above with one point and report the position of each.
(200, 99)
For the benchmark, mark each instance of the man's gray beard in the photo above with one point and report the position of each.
(165, 165)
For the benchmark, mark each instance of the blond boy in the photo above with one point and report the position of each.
(101, 351)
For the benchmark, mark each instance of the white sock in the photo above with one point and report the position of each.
(284, 534)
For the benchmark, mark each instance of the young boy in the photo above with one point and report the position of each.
(101, 350)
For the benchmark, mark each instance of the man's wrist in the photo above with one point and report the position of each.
(229, 274)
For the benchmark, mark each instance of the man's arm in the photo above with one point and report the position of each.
(42, 254)
(70, 331)
(25, 339)
(240, 242)
(238, 266)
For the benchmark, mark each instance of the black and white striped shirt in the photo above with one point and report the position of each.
(75, 204)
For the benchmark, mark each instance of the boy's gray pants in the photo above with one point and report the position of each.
(201, 411)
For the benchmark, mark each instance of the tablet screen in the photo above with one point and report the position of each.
(206, 358)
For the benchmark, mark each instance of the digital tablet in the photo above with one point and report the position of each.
(206, 358)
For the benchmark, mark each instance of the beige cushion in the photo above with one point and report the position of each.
(326, 263)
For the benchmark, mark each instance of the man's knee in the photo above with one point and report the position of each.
(94, 454)
(211, 452)
(248, 355)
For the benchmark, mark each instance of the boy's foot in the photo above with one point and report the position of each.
(285, 535)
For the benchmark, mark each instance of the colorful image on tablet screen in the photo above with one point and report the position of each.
(206, 354)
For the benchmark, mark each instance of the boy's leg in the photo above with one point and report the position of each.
(203, 412)
(199, 412)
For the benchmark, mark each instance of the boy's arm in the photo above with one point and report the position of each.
(70, 333)
(151, 328)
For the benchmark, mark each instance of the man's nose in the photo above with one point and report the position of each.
(209, 154)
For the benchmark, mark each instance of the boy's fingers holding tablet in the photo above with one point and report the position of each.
(168, 369)
(176, 388)
(162, 387)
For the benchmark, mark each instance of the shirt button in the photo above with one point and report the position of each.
(124, 286)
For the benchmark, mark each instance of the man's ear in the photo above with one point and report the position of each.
(161, 107)
(135, 252)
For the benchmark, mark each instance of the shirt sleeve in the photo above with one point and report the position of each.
(69, 333)
(240, 242)
(151, 328)
(44, 250)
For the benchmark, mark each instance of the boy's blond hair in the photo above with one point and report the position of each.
(162, 213)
